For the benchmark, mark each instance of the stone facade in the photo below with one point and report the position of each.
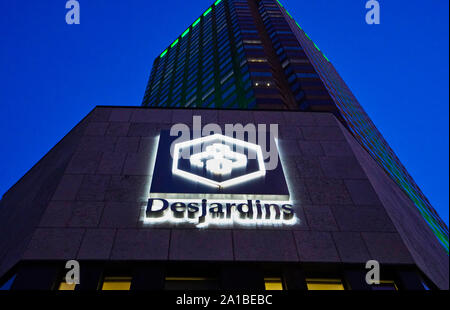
(84, 199)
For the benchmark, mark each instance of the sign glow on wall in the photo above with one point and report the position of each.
(216, 180)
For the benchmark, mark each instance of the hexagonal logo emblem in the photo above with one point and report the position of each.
(215, 166)
(219, 165)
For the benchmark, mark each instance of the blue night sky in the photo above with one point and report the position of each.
(52, 74)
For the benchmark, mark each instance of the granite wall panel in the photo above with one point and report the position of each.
(348, 212)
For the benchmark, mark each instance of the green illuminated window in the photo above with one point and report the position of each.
(217, 2)
(207, 12)
(324, 285)
(174, 43)
(196, 22)
(163, 54)
(273, 284)
(185, 33)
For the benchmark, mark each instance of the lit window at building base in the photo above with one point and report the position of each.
(116, 284)
(324, 285)
(273, 284)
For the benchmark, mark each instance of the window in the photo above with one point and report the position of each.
(385, 285)
(226, 67)
(425, 286)
(227, 77)
(191, 93)
(223, 45)
(227, 84)
(225, 54)
(266, 74)
(324, 285)
(224, 62)
(208, 64)
(191, 101)
(208, 72)
(228, 92)
(273, 284)
(231, 102)
(7, 285)
(252, 41)
(307, 75)
(116, 284)
(259, 47)
(208, 93)
(63, 286)
(257, 60)
(208, 85)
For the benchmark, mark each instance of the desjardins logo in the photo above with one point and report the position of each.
(218, 179)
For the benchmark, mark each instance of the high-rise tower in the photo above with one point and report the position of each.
(300, 194)
(252, 54)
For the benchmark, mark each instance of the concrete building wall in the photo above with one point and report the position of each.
(420, 240)
(94, 211)
(23, 205)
